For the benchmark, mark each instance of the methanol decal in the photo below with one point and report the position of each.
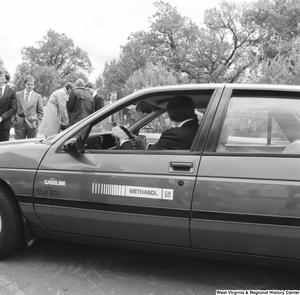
(132, 191)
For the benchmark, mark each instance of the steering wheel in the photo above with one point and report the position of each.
(128, 133)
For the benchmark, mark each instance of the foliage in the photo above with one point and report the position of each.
(2, 64)
(283, 69)
(223, 47)
(113, 77)
(167, 42)
(150, 76)
(278, 24)
(57, 59)
(218, 51)
(247, 123)
(172, 37)
(46, 79)
(58, 51)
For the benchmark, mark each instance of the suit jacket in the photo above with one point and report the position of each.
(178, 138)
(33, 115)
(98, 102)
(80, 105)
(8, 107)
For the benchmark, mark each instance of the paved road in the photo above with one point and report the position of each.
(58, 268)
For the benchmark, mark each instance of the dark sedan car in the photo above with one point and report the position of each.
(235, 193)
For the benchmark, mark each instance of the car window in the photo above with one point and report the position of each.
(260, 125)
(147, 118)
(150, 124)
(126, 117)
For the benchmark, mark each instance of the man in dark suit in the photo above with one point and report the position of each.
(30, 110)
(181, 110)
(80, 103)
(8, 105)
(98, 100)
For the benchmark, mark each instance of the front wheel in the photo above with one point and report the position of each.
(11, 224)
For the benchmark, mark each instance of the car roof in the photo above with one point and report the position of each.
(249, 86)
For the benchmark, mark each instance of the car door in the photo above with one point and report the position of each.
(247, 194)
(135, 195)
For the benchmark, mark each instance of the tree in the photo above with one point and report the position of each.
(224, 42)
(283, 69)
(56, 56)
(58, 51)
(2, 64)
(171, 37)
(218, 51)
(168, 42)
(278, 24)
(278, 28)
(113, 77)
(46, 78)
(150, 76)
(229, 46)
(136, 53)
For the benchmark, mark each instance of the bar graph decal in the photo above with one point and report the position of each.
(132, 191)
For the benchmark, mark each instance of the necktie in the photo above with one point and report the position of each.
(26, 100)
(0, 92)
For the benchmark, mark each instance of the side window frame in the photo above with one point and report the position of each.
(220, 117)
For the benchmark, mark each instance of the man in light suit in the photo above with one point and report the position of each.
(8, 105)
(29, 111)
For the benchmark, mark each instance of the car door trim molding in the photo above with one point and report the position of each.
(118, 208)
(245, 218)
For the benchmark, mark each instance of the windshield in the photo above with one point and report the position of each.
(125, 117)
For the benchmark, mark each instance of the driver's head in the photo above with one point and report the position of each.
(181, 108)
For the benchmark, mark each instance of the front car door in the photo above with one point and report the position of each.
(136, 195)
(247, 195)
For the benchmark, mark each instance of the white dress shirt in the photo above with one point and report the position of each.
(25, 92)
(2, 88)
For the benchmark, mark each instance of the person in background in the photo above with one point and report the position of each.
(98, 100)
(113, 97)
(45, 100)
(8, 105)
(80, 103)
(29, 111)
(55, 111)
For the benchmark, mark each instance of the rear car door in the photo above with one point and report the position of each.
(135, 195)
(247, 194)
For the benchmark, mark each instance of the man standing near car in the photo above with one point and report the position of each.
(30, 112)
(80, 103)
(8, 105)
(98, 100)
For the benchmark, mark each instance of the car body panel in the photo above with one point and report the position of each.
(23, 154)
(247, 205)
(247, 201)
(243, 202)
(106, 191)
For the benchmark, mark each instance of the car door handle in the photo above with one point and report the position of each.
(181, 167)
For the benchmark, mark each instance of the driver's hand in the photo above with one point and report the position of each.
(141, 144)
(119, 133)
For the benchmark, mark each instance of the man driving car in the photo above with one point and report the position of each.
(181, 110)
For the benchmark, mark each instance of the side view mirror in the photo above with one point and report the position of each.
(74, 146)
(144, 107)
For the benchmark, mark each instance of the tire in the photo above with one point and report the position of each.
(11, 224)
